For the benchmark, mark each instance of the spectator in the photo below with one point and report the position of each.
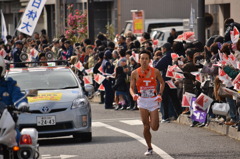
(173, 35)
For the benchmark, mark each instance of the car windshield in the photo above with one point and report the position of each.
(45, 80)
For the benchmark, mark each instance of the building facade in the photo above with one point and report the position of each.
(116, 12)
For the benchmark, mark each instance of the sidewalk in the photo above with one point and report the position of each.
(213, 126)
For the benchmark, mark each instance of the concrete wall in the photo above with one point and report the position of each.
(156, 9)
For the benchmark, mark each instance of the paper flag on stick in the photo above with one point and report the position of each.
(236, 79)
(185, 101)
(171, 84)
(99, 78)
(178, 75)
(174, 56)
(79, 66)
(87, 79)
(101, 88)
(234, 35)
(203, 101)
(89, 71)
(100, 69)
(3, 53)
(169, 72)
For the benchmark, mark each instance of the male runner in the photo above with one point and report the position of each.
(145, 79)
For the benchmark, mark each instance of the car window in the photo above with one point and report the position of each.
(49, 80)
(160, 25)
(128, 28)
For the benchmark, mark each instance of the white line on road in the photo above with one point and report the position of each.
(156, 149)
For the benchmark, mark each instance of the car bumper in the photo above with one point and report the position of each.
(68, 122)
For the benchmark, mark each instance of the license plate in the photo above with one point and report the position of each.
(46, 120)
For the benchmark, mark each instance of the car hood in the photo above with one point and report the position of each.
(54, 99)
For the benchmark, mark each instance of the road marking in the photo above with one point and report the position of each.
(132, 122)
(156, 149)
(60, 157)
(115, 119)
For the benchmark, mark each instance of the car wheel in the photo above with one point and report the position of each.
(85, 137)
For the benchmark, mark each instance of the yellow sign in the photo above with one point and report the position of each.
(138, 22)
(45, 96)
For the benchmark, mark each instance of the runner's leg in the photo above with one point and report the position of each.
(154, 120)
(146, 131)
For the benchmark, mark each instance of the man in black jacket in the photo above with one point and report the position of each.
(162, 66)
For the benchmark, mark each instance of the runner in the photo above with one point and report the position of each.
(145, 79)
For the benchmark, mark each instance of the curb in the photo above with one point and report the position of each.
(213, 126)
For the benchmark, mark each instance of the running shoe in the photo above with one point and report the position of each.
(148, 152)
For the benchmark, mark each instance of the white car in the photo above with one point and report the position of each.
(162, 34)
(61, 107)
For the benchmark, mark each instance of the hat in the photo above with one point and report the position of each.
(108, 54)
(67, 42)
(167, 45)
(19, 42)
(55, 40)
(219, 39)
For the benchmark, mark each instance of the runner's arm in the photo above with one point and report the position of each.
(133, 83)
(160, 79)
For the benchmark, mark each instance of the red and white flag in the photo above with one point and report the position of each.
(34, 53)
(174, 56)
(101, 88)
(237, 87)
(203, 101)
(234, 35)
(238, 65)
(236, 79)
(89, 71)
(99, 78)
(171, 84)
(178, 75)
(100, 69)
(3, 53)
(79, 66)
(169, 72)
(198, 76)
(185, 101)
(87, 80)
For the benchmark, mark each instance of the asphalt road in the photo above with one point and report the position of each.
(118, 135)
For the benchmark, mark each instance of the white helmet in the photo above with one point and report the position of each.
(2, 67)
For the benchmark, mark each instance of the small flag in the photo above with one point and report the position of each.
(79, 66)
(171, 84)
(100, 69)
(3, 53)
(185, 101)
(4, 29)
(99, 78)
(174, 56)
(89, 71)
(203, 101)
(101, 88)
(234, 35)
(178, 75)
(87, 79)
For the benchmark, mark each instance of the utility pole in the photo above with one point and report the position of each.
(91, 32)
(201, 21)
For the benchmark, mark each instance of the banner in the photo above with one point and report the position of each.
(138, 22)
(30, 17)
(4, 29)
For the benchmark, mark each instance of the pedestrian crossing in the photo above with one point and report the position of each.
(132, 122)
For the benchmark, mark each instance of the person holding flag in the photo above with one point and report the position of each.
(145, 79)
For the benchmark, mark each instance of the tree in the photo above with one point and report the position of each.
(77, 29)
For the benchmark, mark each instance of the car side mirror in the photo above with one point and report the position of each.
(89, 88)
(32, 93)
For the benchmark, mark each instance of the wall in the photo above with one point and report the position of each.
(157, 9)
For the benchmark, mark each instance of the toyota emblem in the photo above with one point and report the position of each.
(45, 109)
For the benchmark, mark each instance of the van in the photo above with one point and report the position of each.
(162, 34)
(153, 23)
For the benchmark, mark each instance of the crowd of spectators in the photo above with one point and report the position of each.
(116, 61)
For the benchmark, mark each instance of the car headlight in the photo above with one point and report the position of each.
(80, 103)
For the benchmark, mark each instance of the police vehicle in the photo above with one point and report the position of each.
(61, 107)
